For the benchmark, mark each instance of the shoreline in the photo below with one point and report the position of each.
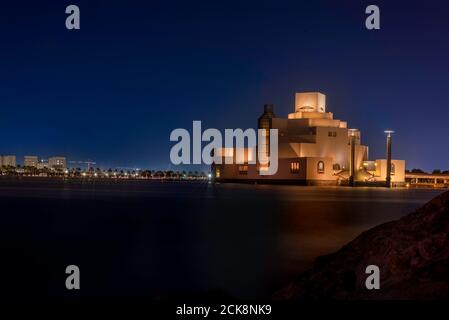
(26, 178)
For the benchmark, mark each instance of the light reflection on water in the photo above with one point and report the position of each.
(146, 239)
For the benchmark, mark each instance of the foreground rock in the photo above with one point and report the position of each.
(412, 254)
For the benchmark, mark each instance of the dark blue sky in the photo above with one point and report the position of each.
(114, 90)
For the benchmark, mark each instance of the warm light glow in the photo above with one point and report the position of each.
(251, 153)
(225, 152)
(229, 152)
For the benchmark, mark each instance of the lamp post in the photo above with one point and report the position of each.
(389, 138)
(352, 133)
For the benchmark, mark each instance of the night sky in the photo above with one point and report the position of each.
(113, 91)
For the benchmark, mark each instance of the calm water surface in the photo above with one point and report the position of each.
(151, 240)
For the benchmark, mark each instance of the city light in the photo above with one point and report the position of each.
(389, 132)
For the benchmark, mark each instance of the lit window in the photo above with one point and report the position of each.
(243, 169)
(228, 152)
(217, 173)
(320, 167)
(294, 167)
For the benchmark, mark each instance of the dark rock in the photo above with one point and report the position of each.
(412, 254)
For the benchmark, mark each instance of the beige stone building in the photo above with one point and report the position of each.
(313, 148)
(8, 161)
(30, 161)
(57, 163)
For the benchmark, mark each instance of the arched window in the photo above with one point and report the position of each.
(294, 167)
(393, 169)
(320, 167)
(336, 167)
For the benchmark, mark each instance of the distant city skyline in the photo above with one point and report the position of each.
(113, 91)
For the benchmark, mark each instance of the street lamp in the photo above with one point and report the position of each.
(352, 133)
(389, 134)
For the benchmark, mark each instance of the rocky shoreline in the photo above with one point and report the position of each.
(412, 254)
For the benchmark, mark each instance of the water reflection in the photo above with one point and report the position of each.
(148, 240)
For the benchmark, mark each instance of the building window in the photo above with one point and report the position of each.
(320, 167)
(336, 167)
(217, 173)
(393, 169)
(306, 108)
(294, 167)
(332, 134)
(243, 169)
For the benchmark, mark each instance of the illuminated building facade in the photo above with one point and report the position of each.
(30, 161)
(313, 148)
(57, 163)
(8, 161)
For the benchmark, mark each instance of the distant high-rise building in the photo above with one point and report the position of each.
(42, 164)
(8, 161)
(57, 163)
(30, 161)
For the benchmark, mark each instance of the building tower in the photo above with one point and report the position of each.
(389, 137)
(265, 122)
